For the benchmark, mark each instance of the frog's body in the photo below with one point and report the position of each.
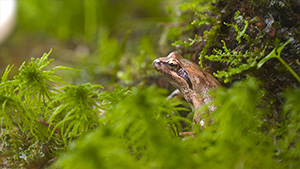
(192, 81)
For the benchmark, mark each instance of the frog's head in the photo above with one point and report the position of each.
(172, 68)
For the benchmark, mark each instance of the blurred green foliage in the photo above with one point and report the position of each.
(127, 122)
(77, 19)
(136, 136)
(102, 38)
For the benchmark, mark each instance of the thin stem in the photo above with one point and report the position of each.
(289, 68)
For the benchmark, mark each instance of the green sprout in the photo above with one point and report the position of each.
(240, 32)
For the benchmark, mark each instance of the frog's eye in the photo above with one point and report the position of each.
(173, 64)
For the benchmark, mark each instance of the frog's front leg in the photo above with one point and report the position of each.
(175, 93)
(202, 111)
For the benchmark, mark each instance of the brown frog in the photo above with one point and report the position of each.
(192, 81)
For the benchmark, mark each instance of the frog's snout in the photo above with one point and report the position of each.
(160, 66)
(156, 63)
